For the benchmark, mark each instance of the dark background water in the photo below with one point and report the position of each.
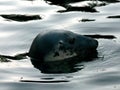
(16, 36)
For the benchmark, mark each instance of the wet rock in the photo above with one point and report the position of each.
(21, 18)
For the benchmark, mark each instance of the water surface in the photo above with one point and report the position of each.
(16, 37)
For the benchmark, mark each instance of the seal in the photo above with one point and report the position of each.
(60, 45)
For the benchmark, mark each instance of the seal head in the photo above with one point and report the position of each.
(59, 45)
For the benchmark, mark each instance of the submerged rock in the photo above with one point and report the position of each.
(59, 51)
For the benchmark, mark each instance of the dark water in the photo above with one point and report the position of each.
(16, 36)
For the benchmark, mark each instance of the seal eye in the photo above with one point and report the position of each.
(71, 41)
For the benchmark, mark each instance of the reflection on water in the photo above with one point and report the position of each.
(65, 66)
(116, 16)
(21, 18)
(87, 20)
(86, 6)
(64, 2)
(57, 81)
